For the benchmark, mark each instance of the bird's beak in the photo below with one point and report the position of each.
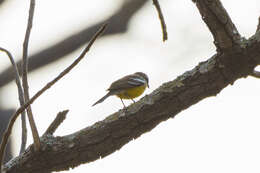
(148, 85)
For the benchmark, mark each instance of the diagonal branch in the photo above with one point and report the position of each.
(56, 122)
(40, 92)
(225, 33)
(107, 136)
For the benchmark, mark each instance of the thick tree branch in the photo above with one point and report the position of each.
(226, 35)
(118, 23)
(109, 135)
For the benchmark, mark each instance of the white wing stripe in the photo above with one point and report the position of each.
(139, 80)
(136, 81)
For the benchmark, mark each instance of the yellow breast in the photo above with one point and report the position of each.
(132, 92)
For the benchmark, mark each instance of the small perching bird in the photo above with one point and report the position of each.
(128, 87)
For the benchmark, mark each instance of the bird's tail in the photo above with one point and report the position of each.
(103, 98)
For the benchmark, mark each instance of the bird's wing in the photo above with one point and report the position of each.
(129, 81)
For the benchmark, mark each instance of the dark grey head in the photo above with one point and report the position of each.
(144, 76)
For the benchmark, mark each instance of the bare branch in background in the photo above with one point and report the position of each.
(61, 116)
(118, 23)
(2, 2)
(21, 98)
(160, 15)
(39, 93)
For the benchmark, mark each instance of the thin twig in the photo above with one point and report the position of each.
(258, 26)
(34, 130)
(21, 98)
(40, 92)
(255, 74)
(61, 116)
(24, 133)
(160, 15)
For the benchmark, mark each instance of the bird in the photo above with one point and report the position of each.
(127, 87)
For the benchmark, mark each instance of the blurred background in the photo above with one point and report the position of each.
(219, 134)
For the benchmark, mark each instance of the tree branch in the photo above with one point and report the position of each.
(34, 130)
(39, 93)
(56, 122)
(21, 98)
(109, 135)
(225, 33)
(160, 15)
(258, 26)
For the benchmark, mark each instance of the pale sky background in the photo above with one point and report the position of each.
(219, 134)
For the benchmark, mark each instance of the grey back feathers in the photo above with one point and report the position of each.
(127, 82)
